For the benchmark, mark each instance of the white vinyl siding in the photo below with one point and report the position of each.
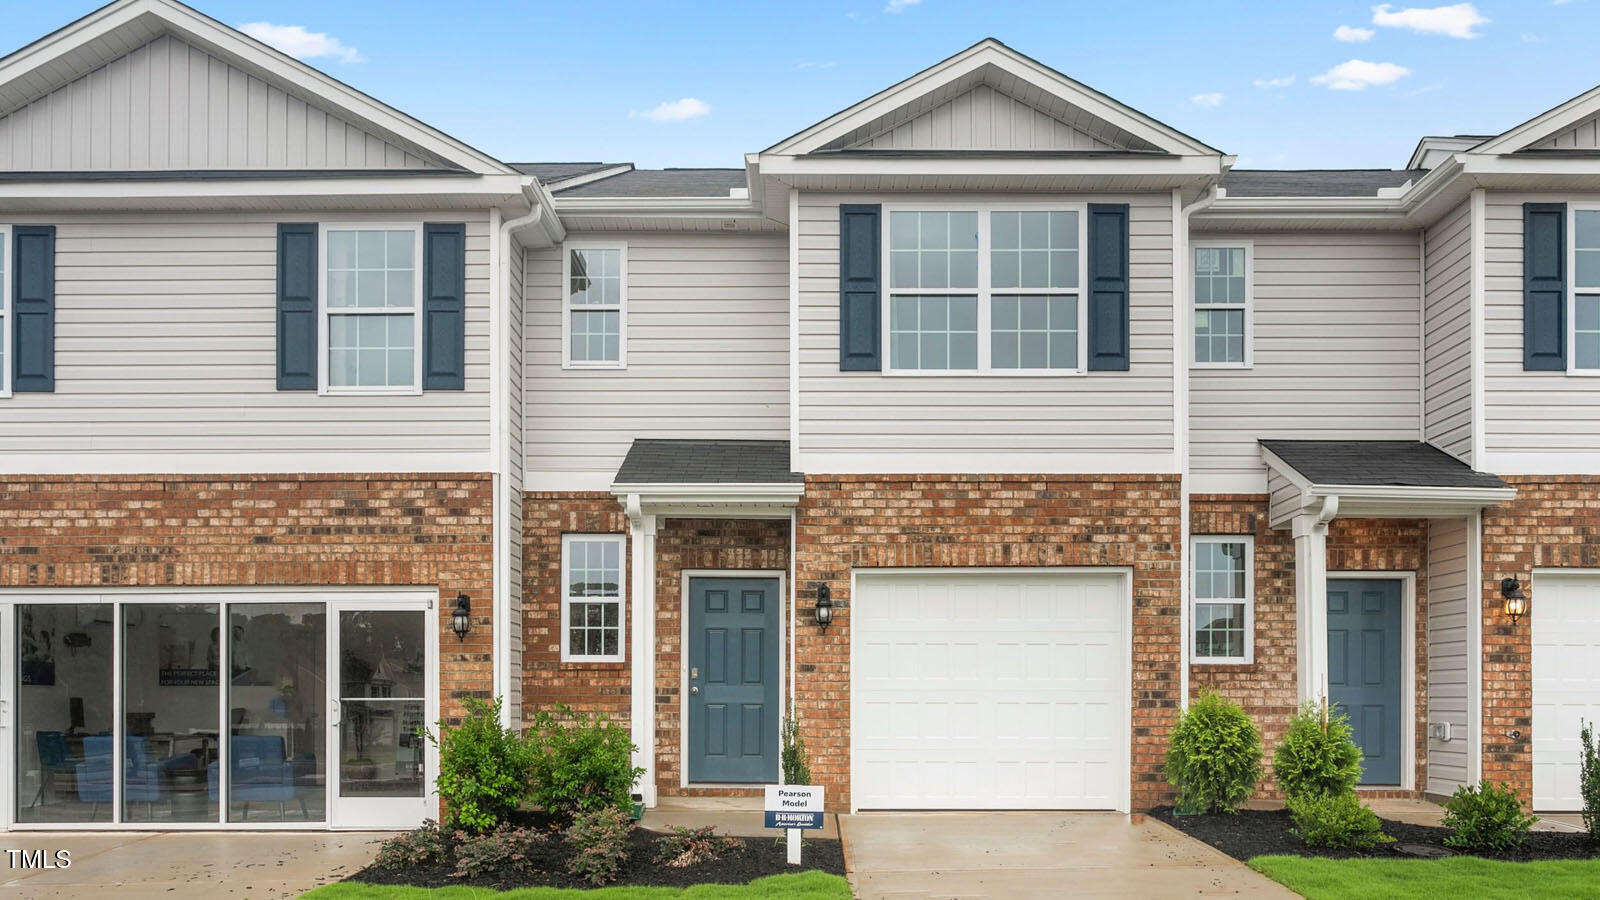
(511, 338)
(166, 361)
(1122, 413)
(1449, 622)
(1583, 136)
(708, 353)
(1447, 333)
(1337, 346)
(169, 105)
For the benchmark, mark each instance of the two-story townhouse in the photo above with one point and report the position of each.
(977, 427)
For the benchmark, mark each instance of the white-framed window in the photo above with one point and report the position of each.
(1224, 303)
(6, 362)
(594, 305)
(369, 333)
(1222, 585)
(990, 289)
(1583, 311)
(593, 592)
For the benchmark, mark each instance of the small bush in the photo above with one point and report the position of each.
(796, 765)
(1486, 818)
(581, 763)
(483, 769)
(1317, 758)
(419, 847)
(1338, 821)
(599, 839)
(504, 849)
(686, 847)
(1589, 780)
(1214, 760)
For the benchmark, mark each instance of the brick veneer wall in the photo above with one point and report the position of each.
(879, 521)
(1266, 688)
(277, 530)
(1553, 523)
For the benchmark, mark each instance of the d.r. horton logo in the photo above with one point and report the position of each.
(39, 859)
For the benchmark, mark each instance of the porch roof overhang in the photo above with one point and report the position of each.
(708, 479)
(1379, 479)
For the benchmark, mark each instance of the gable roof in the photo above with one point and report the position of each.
(1379, 463)
(1023, 80)
(123, 27)
(1547, 130)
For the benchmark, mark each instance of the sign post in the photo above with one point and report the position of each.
(794, 807)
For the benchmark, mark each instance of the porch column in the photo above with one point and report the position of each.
(1311, 599)
(642, 531)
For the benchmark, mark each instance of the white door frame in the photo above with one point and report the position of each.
(1408, 663)
(683, 665)
(8, 702)
(1125, 798)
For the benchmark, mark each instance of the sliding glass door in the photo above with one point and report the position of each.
(382, 705)
(277, 712)
(65, 710)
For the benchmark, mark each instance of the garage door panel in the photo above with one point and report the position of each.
(1566, 683)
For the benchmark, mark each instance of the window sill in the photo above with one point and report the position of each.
(980, 373)
(598, 367)
(1584, 373)
(370, 392)
(1228, 365)
(592, 660)
(1228, 663)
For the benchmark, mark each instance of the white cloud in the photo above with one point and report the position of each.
(1285, 81)
(1455, 21)
(1353, 35)
(1358, 75)
(1212, 99)
(299, 43)
(675, 111)
(898, 6)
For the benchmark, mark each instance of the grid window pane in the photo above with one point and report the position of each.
(1219, 275)
(1586, 247)
(1586, 331)
(1219, 630)
(372, 269)
(596, 335)
(594, 597)
(1033, 332)
(371, 350)
(1033, 250)
(1219, 335)
(596, 277)
(933, 333)
(936, 250)
(1220, 574)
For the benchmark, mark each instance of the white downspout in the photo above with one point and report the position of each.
(1181, 290)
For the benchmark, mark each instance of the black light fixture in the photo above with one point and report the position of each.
(1516, 602)
(461, 618)
(824, 605)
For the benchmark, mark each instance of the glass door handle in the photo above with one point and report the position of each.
(337, 714)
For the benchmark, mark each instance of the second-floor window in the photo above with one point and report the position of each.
(985, 290)
(1585, 315)
(594, 308)
(373, 299)
(1222, 304)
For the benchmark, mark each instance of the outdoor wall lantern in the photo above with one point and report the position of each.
(824, 606)
(461, 618)
(1516, 605)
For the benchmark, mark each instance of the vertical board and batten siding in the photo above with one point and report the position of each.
(1337, 319)
(1583, 136)
(1447, 333)
(1099, 412)
(984, 119)
(1526, 413)
(708, 351)
(165, 346)
(168, 105)
(1448, 646)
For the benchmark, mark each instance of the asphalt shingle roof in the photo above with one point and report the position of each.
(669, 461)
(553, 173)
(1385, 463)
(661, 183)
(1315, 182)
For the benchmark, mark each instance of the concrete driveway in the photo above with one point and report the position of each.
(1024, 854)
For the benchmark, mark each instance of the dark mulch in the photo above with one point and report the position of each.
(760, 857)
(1251, 833)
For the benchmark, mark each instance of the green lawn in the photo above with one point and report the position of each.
(1457, 878)
(799, 886)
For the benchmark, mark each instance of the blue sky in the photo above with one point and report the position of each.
(580, 80)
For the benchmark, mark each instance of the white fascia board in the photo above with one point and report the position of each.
(710, 492)
(1466, 497)
(1392, 210)
(493, 189)
(1276, 464)
(1534, 163)
(859, 164)
(1545, 124)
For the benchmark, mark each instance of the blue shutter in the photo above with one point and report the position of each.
(33, 300)
(297, 307)
(444, 307)
(860, 293)
(1108, 287)
(1544, 287)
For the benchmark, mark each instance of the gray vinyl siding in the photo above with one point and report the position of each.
(1098, 412)
(169, 105)
(1526, 412)
(165, 347)
(512, 490)
(1336, 350)
(1284, 500)
(1448, 630)
(1447, 331)
(708, 351)
(1583, 136)
(984, 119)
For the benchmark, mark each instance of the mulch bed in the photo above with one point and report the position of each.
(760, 857)
(1251, 833)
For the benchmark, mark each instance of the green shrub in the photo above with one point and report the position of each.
(1486, 818)
(1318, 758)
(504, 849)
(1214, 760)
(686, 847)
(599, 840)
(483, 768)
(1589, 780)
(796, 765)
(1337, 821)
(581, 763)
(418, 847)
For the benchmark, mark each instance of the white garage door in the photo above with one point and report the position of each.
(1565, 616)
(990, 690)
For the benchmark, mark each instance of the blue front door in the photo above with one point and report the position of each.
(733, 680)
(1364, 670)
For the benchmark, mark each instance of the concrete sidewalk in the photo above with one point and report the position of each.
(1023, 854)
